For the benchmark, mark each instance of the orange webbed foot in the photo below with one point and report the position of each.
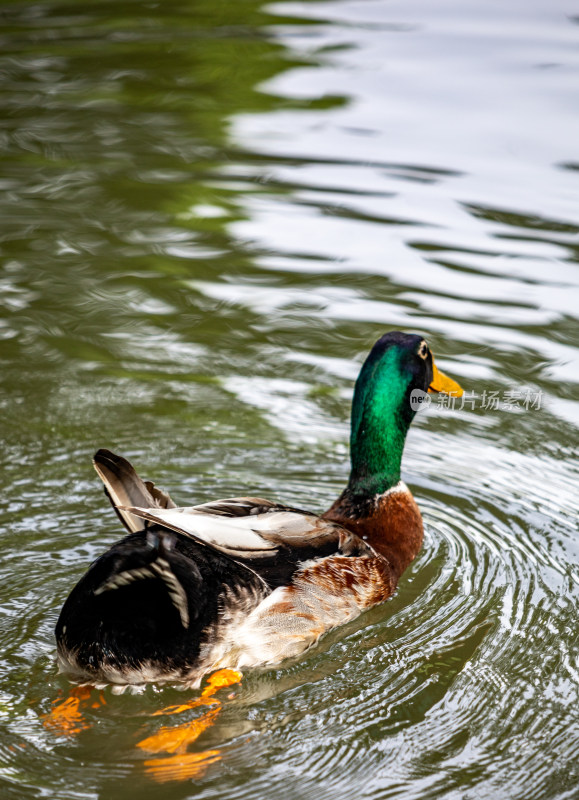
(182, 765)
(65, 717)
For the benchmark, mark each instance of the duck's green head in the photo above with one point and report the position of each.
(384, 406)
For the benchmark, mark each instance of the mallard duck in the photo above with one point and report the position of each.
(247, 582)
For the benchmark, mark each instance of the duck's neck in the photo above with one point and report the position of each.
(381, 416)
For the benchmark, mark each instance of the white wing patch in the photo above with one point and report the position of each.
(231, 535)
(252, 535)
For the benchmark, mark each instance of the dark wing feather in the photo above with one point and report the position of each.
(271, 539)
(124, 488)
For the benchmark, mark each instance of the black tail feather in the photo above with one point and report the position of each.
(145, 608)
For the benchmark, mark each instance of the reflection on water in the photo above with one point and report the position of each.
(209, 212)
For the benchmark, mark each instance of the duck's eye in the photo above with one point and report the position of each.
(423, 350)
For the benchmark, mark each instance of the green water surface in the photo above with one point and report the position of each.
(209, 211)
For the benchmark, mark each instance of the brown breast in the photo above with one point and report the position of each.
(391, 523)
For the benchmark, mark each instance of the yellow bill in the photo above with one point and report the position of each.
(442, 383)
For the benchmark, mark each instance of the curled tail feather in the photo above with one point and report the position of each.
(160, 543)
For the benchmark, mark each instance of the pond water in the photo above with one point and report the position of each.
(209, 212)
